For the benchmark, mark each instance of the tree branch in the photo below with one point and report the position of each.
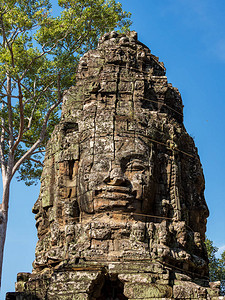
(36, 161)
(3, 126)
(16, 32)
(21, 119)
(41, 92)
(5, 95)
(30, 119)
(37, 152)
(39, 141)
(31, 116)
(10, 116)
(2, 138)
(2, 83)
(43, 53)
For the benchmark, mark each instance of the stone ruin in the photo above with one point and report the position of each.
(121, 212)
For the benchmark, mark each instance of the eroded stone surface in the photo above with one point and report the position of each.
(121, 208)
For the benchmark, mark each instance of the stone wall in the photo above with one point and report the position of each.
(121, 211)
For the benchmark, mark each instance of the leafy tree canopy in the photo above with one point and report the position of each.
(216, 265)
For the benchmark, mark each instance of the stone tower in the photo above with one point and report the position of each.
(121, 212)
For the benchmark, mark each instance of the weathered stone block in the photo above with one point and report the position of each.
(143, 291)
(20, 296)
(46, 199)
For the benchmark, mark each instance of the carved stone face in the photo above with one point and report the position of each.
(41, 217)
(123, 180)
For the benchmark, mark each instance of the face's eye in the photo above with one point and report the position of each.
(135, 166)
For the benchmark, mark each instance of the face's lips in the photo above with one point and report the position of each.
(38, 219)
(114, 193)
(114, 188)
(37, 223)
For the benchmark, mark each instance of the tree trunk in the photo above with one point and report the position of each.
(3, 222)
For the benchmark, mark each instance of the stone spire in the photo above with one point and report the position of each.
(121, 211)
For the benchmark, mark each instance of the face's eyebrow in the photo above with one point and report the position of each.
(131, 156)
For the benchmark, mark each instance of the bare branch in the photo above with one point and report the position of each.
(40, 93)
(2, 138)
(37, 152)
(26, 142)
(34, 91)
(2, 101)
(10, 117)
(39, 141)
(31, 116)
(36, 161)
(21, 128)
(30, 143)
(5, 95)
(3, 126)
(14, 34)
(59, 86)
(3, 82)
(30, 119)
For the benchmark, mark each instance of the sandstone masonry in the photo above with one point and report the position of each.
(121, 212)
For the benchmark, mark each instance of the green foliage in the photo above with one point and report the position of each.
(216, 265)
(39, 54)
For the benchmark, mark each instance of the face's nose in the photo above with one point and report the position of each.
(117, 177)
(36, 208)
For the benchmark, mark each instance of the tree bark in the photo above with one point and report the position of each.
(6, 168)
(3, 222)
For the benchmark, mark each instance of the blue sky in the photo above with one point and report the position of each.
(189, 37)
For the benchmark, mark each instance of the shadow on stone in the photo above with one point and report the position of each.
(112, 290)
(21, 296)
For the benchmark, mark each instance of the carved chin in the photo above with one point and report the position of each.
(107, 204)
(124, 204)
